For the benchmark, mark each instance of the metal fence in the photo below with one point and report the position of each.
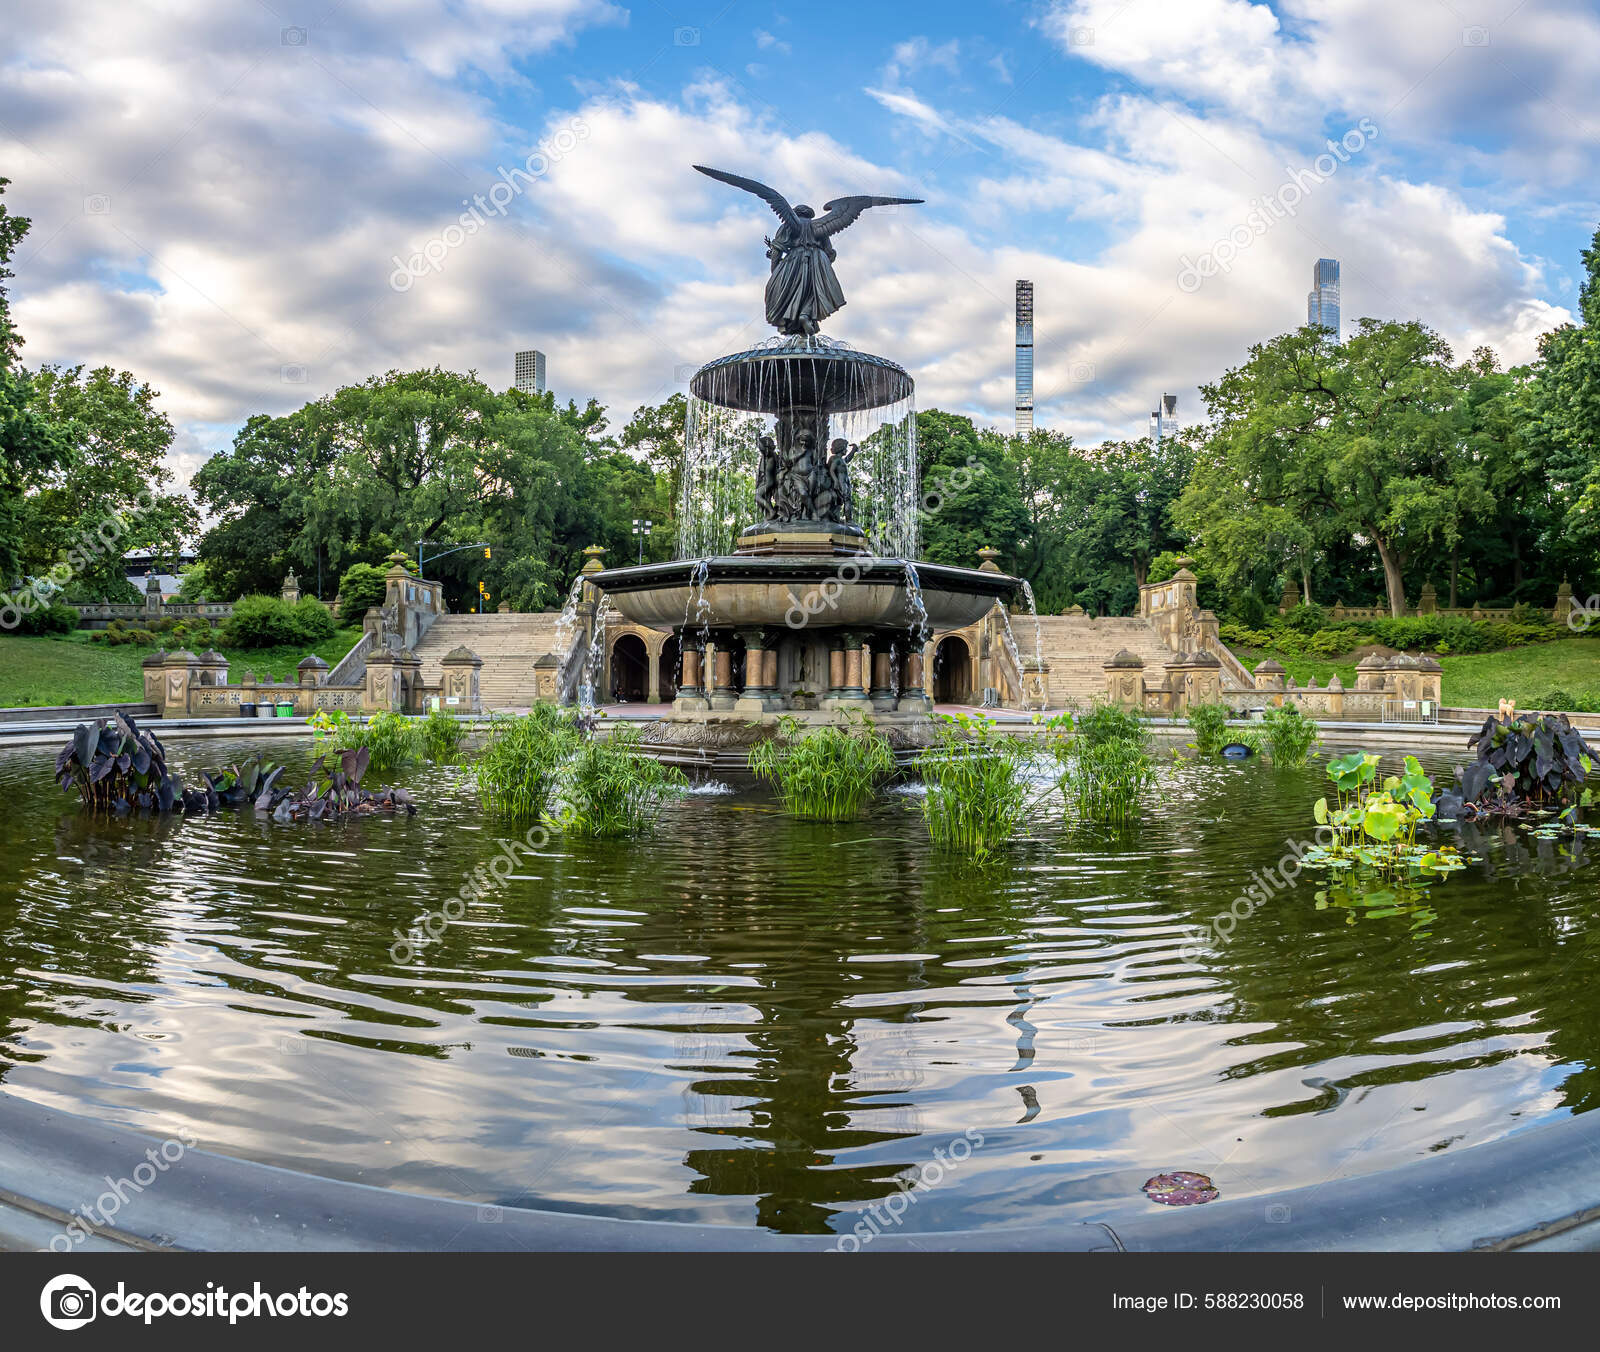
(1397, 710)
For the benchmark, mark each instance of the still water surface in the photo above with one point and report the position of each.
(751, 1021)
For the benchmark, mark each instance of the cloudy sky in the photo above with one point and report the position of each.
(221, 190)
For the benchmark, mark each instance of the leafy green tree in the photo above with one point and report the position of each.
(970, 498)
(111, 493)
(30, 444)
(1315, 441)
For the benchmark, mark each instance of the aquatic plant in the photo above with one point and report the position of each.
(393, 740)
(825, 774)
(1291, 735)
(1108, 782)
(517, 770)
(334, 789)
(1525, 764)
(117, 767)
(978, 793)
(611, 788)
(441, 736)
(1374, 825)
(1379, 901)
(1209, 723)
(1106, 762)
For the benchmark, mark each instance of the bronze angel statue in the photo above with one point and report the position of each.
(802, 290)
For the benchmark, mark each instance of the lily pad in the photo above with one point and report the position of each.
(1180, 1188)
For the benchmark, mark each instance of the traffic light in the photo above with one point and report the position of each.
(486, 551)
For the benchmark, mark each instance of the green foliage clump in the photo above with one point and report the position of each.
(1374, 825)
(1565, 700)
(271, 622)
(826, 774)
(361, 587)
(393, 740)
(1107, 765)
(517, 770)
(1209, 723)
(51, 619)
(442, 735)
(1291, 735)
(977, 787)
(611, 789)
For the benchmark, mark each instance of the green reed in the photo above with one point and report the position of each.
(1209, 723)
(517, 771)
(442, 735)
(1107, 764)
(1291, 735)
(392, 740)
(978, 793)
(825, 774)
(612, 789)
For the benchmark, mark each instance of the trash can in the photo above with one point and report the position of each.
(247, 708)
(286, 708)
(264, 709)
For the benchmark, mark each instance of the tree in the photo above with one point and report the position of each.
(970, 498)
(1562, 407)
(1315, 442)
(109, 494)
(30, 444)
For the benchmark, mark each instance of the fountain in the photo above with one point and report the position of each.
(798, 530)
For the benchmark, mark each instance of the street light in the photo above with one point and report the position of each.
(640, 530)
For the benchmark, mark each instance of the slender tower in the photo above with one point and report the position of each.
(529, 373)
(1024, 358)
(1322, 304)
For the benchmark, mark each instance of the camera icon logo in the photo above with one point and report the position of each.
(490, 1215)
(685, 37)
(1278, 1214)
(292, 373)
(67, 1302)
(96, 204)
(293, 37)
(682, 375)
(1081, 372)
(1081, 37)
(1476, 36)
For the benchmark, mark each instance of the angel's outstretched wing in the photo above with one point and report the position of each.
(843, 211)
(771, 196)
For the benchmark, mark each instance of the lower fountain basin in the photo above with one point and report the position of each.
(846, 592)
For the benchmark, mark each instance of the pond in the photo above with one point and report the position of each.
(750, 1021)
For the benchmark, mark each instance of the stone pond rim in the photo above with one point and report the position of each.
(743, 591)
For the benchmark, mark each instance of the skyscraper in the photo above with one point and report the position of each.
(1165, 418)
(1024, 358)
(530, 371)
(1322, 304)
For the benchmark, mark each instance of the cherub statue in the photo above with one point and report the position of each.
(768, 477)
(797, 483)
(836, 474)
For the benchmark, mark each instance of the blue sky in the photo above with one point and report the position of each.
(221, 190)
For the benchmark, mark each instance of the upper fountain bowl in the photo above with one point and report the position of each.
(801, 373)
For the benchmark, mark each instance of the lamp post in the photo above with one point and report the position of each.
(640, 530)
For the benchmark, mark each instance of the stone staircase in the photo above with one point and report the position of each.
(508, 644)
(1076, 649)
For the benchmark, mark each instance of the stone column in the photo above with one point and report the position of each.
(383, 690)
(835, 664)
(179, 671)
(1125, 680)
(760, 674)
(154, 686)
(723, 695)
(851, 695)
(913, 680)
(311, 671)
(691, 694)
(882, 692)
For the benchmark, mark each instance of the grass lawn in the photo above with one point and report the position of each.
(1480, 680)
(72, 670)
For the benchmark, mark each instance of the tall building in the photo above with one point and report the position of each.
(530, 371)
(1322, 304)
(1024, 358)
(1165, 418)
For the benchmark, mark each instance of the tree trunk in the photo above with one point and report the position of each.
(1394, 582)
(1305, 582)
(1455, 574)
(1141, 571)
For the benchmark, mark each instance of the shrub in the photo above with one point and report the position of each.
(1525, 763)
(1107, 781)
(360, 588)
(1108, 723)
(612, 789)
(36, 619)
(1290, 734)
(1209, 723)
(977, 791)
(393, 740)
(826, 774)
(1306, 618)
(270, 622)
(1559, 700)
(517, 770)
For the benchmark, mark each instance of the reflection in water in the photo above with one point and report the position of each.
(756, 1021)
